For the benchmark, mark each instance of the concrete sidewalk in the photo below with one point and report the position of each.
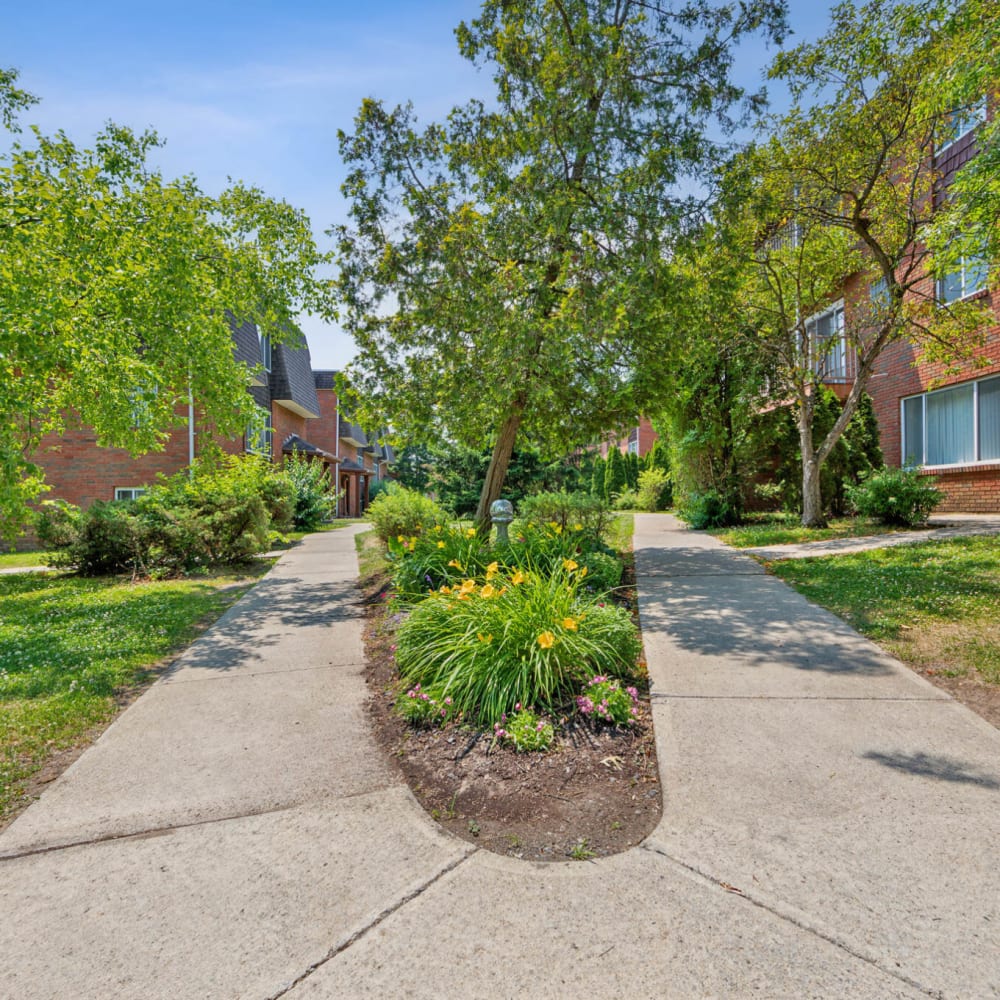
(939, 529)
(829, 823)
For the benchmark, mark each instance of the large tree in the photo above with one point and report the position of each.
(499, 266)
(115, 287)
(846, 194)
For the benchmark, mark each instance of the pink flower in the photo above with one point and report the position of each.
(585, 705)
(539, 727)
(447, 700)
(501, 733)
(517, 707)
(634, 693)
(411, 693)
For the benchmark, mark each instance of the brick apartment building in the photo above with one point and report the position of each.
(947, 423)
(297, 411)
(636, 440)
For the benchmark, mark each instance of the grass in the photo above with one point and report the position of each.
(21, 560)
(784, 529)
(372, 560)
(619, 533)
(935, 605)
(70, 647)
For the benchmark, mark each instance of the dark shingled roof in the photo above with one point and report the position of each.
(352, 432)
(325, 378)
(292, 382)
(349, 465)
(294, 443)
(246, 341)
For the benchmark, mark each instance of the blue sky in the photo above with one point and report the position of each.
(253, 90)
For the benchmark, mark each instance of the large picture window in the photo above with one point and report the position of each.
(959, 425)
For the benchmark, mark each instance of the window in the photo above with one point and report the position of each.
(258, 436)
(129, 492)
(959, 425)
(967, 280)
(633, 447)
(265, 352)
(141, 400)
(959, 124)
(826, 344)
(878, 294)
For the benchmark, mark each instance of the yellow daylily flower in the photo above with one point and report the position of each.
(470, 532)
(400, 538)
(583, 572)
(488, 591)
(445, 590)
(569, 624)
(519, 577)
(468, 586)
(457, 565)
(437, 528)
(546, 640)
(441, 545)
(570, 564)
(492, 570)
(487, 639)
(578, 527)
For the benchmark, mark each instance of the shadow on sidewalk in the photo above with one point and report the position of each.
(749, 617)
(935, 766)
(254, 624)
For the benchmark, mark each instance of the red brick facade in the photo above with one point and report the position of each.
(973, 488)
(639, 439)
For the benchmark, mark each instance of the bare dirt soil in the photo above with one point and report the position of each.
(595, 793)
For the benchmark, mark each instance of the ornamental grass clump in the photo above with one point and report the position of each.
(432, 557)
(604, 700)
(521, 637)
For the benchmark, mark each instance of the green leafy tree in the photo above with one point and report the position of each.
(632, 470)
(615, 476)
(711, 371)
(846, 190)
(114, 290)
(496, 269)
(597, 476)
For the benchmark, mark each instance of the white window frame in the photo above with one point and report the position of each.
(820, 361)
(129, 492)
(259, 436)
(965, 121)
(967, 264)
(266, 358)
(976, 442)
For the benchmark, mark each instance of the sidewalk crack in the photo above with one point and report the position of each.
(362, 931)
(166, 830)
(800, 924)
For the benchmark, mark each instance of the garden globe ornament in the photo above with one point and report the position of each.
(501, 514)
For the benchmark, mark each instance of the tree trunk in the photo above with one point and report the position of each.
(497, 471)
(812, 463)
(812, 497)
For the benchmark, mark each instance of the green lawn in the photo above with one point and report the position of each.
(21, 560)
(782, 529)
(934, 605)
(68, 645)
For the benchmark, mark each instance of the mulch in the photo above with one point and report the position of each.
(596, 792)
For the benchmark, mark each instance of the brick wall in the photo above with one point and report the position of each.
(900, 373)
(322, 432)
(80, 471)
